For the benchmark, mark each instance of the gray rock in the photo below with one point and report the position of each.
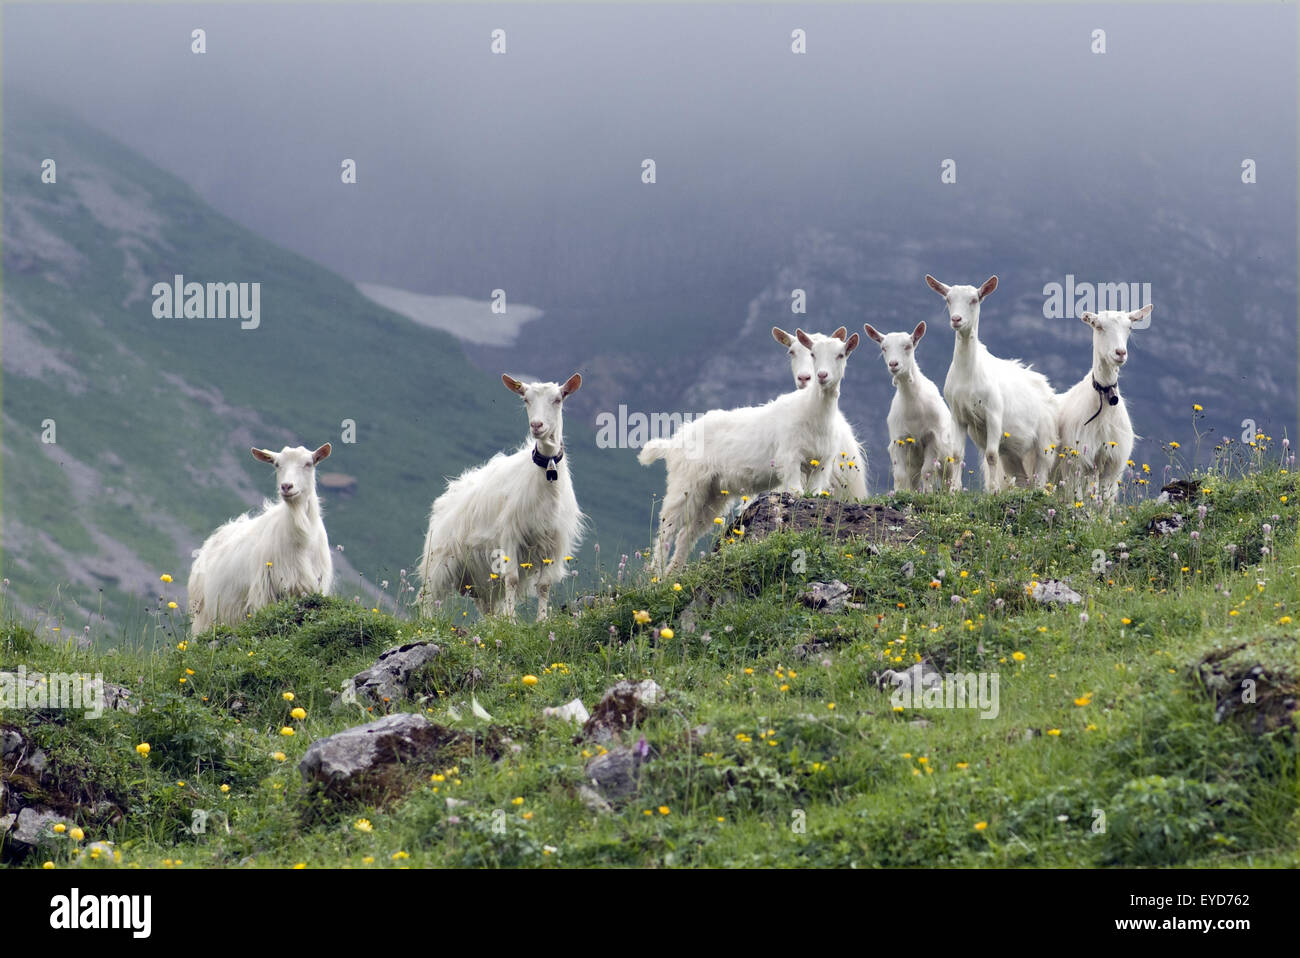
(387, 679)
(1052, 592)
(118, 697)
(11, 744)
(840, 520)
(806, 649)
(35, 763)
(115, 696)
(593, 800)
(922, 675)
(1165, 525)
(623, 706)
(32, 827)
(352, 761)
(616, 772)
(573, 711)
(833, 596)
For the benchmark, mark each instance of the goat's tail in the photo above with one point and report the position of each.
(653, 451)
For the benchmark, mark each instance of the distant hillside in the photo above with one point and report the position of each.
(153, 417)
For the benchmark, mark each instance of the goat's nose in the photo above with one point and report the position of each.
(536, 424)
(893, 364)
(822, 376)
(286, 487)
(956, 320)
(1121, 353)
(804, 377)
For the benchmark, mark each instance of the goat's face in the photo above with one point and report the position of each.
(829, 355)
(898, 350)
(295, 470)
(963, 303)
(1110, 332)
(801, 357)
(543, 403)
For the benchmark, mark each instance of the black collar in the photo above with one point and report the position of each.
(1105, 393)
(548, 464)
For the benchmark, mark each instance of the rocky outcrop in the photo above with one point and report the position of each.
(385, 758)
(784, 512)
(388, 679)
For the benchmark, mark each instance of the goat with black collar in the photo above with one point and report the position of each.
(1095, 430)
(513, 518)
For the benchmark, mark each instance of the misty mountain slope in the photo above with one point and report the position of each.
(153, 417)
(1223, 333)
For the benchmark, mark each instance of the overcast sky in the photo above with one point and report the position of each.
(469, 160)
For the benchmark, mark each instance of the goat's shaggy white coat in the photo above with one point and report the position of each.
(925, 442)
(504, 520)
(1007, 409)
(255, 560)
(754, 449)
(844, 475)
(1097, 437)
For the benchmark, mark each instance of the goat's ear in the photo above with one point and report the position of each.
(265, 455)
(935, 285)
(571, 385)
(1090, 319)
(803, 339)
(1138, 315)
(852, 344)
(989, 286)
(918, 332)
(840, 334)
(514, 385)
(782, 337)
(322, 453)
(872, 332)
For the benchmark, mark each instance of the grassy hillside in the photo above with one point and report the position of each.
(758, 756)
(154, 417)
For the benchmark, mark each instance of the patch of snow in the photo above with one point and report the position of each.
(470, 320)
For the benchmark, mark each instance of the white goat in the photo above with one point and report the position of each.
(514, 514)
(925, 442)
(1093, 422)
(1007, 409)
(753, 449)
(254, 560)
(844, 475)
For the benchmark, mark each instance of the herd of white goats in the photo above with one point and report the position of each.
(516, 516)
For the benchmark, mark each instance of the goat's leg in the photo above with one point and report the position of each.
(543, 600)
(509, 580)
(791, 473)
(952, 474)
(681, 549)
(931, 464)
(992, 450)
(898, 467)
(667, 523)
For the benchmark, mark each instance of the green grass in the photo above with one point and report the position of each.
(1105, 751)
